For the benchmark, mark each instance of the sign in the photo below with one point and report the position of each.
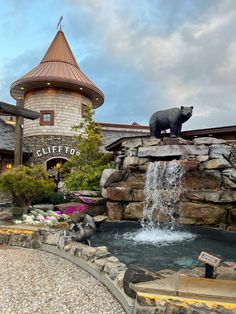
(209, 259)
(57, 150)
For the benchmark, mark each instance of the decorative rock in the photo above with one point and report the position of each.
(104, 192)
(125, 194)
(230, 173)
(134, 211)
(160, 151)
(201, 213)
(209, 179)
(208, 141)
(228, 196)
(100, 263)
(85, 193)
(96, 210)
(133, 161)
(176, 141)
(6, 215)
(151, 141)
(228, 183)
(219, 151)
(63, 241)
(52, 238)
(172, 150)
(220, 163)
(101, 252)
(90, 200)
(44, 207)
(136, 274)
(209, 196)
(116, 270)
(120, 278)
(110, 176)
(231, 228)
(132, 152)
(114, 210)
(202, 158)
(132, 143)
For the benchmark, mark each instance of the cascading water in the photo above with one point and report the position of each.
(162, 196)
(162, 192)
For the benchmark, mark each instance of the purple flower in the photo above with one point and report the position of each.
(58, 213)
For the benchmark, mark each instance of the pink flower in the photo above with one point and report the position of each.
(58, 213)
(71, 210)
(40, 218)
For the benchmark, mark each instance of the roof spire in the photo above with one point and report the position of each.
(59, 23)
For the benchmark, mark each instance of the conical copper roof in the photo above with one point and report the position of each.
(58, 68)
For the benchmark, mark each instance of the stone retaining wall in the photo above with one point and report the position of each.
(107, 269)
(208, 194)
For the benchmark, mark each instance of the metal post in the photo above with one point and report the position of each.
(18, 155)
(209, 271)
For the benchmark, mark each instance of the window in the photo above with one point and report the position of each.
(46, 117)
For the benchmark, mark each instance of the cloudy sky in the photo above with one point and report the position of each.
(145, 55)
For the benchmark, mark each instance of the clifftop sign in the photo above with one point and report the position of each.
(57, 150)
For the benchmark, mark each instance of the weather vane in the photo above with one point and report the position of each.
(59, 23)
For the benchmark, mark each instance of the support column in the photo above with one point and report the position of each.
(18, 155)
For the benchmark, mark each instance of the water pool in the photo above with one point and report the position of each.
(158, 249)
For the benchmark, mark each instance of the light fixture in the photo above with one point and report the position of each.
(9, 166)
(58, 165)
(96, 98)
(11, 121)
(22, 87)
(81, 88)
(48, 83)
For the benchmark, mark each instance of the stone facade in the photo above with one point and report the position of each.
(44, 148)
(208, 194)
(67, 106)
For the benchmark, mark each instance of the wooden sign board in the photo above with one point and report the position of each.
(209, 259)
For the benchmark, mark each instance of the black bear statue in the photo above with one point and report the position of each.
(169, 119)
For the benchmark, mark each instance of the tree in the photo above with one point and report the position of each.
(26, 184)
(86, 168)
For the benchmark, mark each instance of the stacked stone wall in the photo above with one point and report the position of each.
(208, 194)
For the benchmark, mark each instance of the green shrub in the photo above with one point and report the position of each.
(26, 184)
(83, 171)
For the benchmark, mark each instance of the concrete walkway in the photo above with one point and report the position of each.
(33, 281)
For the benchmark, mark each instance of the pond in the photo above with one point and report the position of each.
(158, 249)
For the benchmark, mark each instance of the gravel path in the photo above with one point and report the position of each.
(32, 281)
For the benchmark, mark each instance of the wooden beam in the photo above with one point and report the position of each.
(18, 111)
(18, 154)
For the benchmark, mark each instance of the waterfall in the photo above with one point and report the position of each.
(162, 192)
(162, 197)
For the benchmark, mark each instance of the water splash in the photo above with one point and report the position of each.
(162, 192)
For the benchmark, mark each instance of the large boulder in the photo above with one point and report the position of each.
(44, 207)
(201, 213)
(208, 141)
(219, 151)
(134, 211)
(209, 179)
(110, 176)
(132, 143)
(230, 173)
(125, 194)
(114, 210)
(218, 163)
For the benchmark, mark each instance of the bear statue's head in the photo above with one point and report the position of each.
(186, 112)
